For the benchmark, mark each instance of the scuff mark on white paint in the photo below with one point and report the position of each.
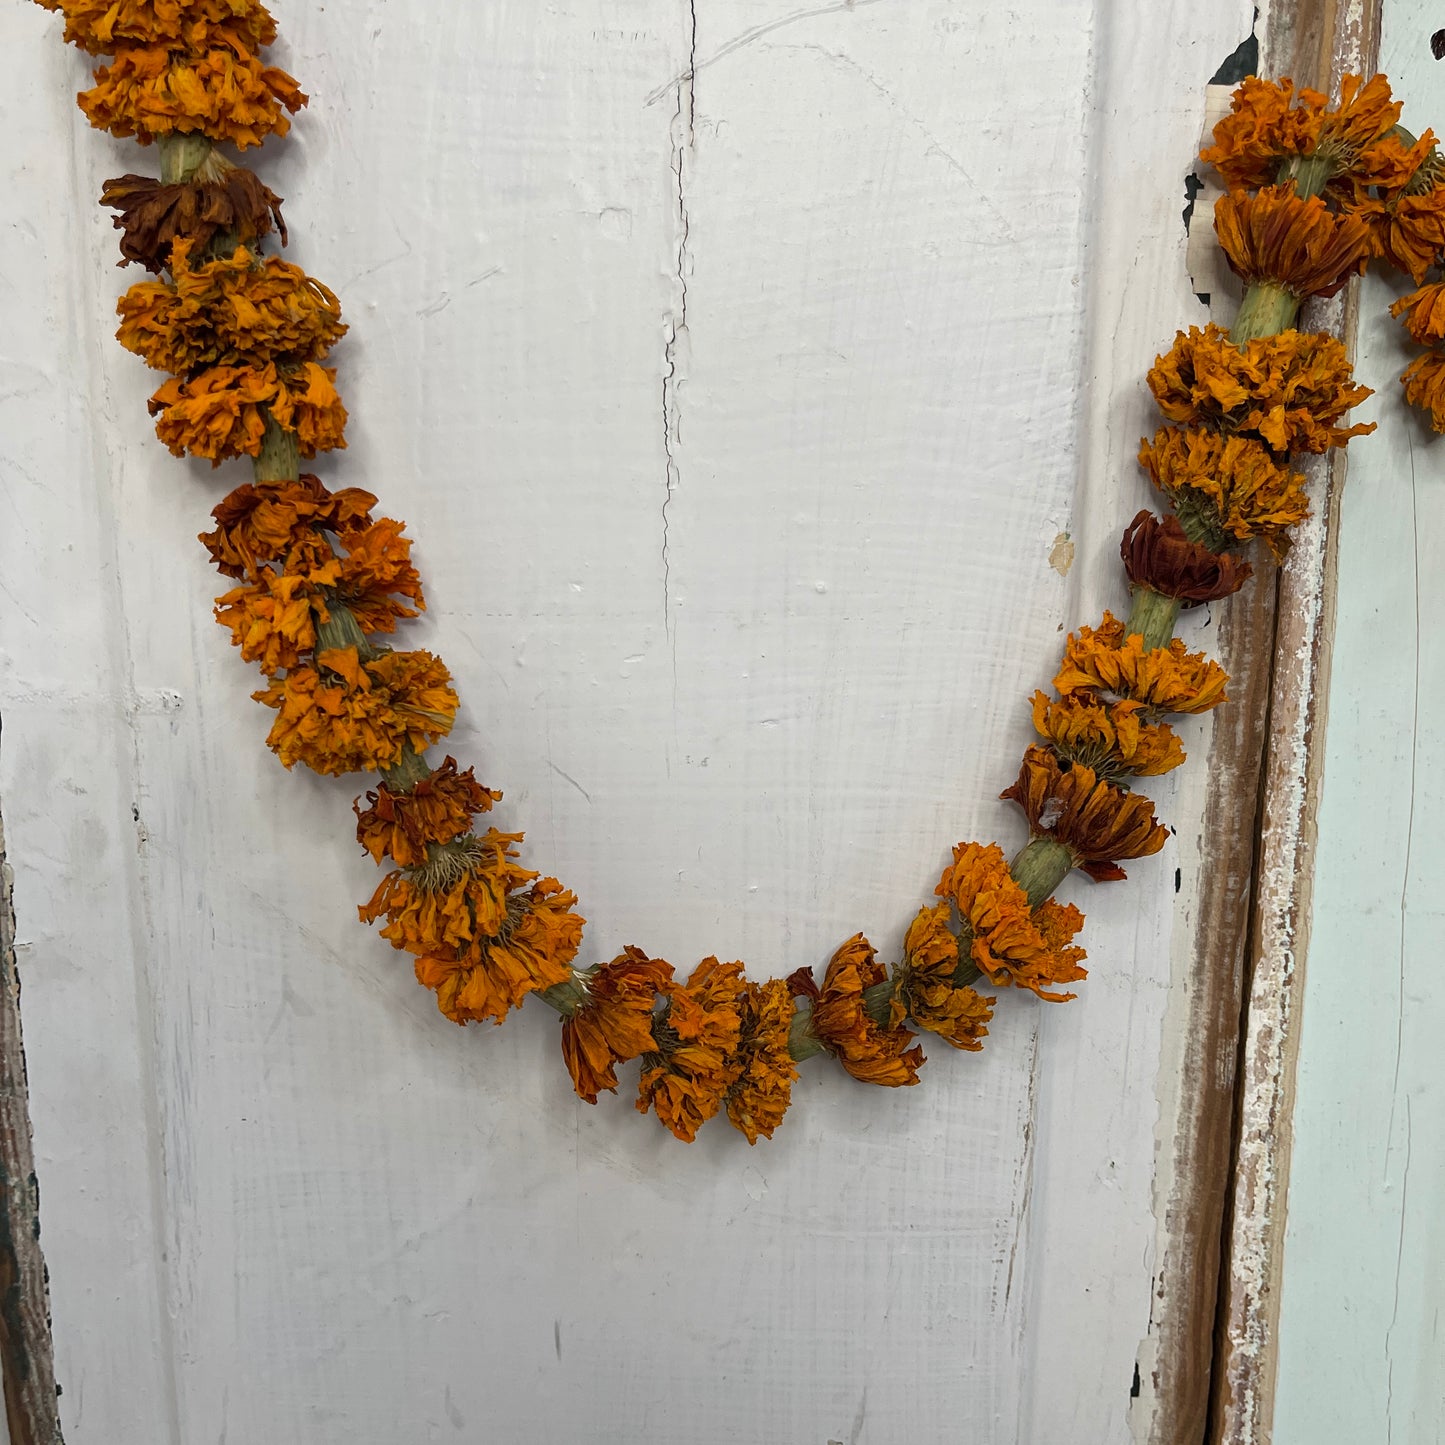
(747, 38)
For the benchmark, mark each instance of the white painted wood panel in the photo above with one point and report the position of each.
(1361, 1354)
(736, 421)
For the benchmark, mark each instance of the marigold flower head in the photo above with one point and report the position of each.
(872, 1052)
(219, 198)
(759, 1097)
(615, 1023)
(1424, 381)
(374, 570)
(266, 522)
(1110, 737)
(224, 93)
(345, 715)
(273, 620)
(1423, 311)
(1159, 556)
(1270, 124)
(1171, 679)
(1289, 390)
(482, 938)
(1301, 245)
(221, 413)
(1010, 943)
(228, 311)
(1230, 486)
(1097, 822)
(1407, 229)
(696, 1061)
(926, 990)
(401, 825)
(98, 26)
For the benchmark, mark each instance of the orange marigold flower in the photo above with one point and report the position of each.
(696, 1060)
(1301, 245)
(1171, 678)
(1230, 487)
(1424, 313)
(1389, 164)
(1109, 737)
(615, 1023)
(1407, 229)
(759, 1097)
(1270, 125)
(273, 620)
(1011, 944)
(872, 1052)
(268, 521)
(97, 26)
(375, 569)
(221, 413)
(1289, 389)
(926, 988)
(1424, 381)
(346, 715)
(228, 311)
(224, 93)
(482, 939)
(1159, 556)
(1097, 822)
(400, 825)
(219, 197)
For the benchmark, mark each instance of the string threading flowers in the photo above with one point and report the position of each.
(243, 336)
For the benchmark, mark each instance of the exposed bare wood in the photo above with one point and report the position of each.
(25, 1349)
(1316, 43)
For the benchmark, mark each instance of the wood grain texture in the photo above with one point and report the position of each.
(26, 1355)
(738, 379)
(1325, 42)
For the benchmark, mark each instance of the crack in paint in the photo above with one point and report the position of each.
(684, 136)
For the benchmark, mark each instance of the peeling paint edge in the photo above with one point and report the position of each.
(1344, 35)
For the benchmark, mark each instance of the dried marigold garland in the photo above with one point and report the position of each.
(1315, 191)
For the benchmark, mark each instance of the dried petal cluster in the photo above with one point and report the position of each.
(695, 1063)
(1288, 391)
(1271, 126)
(403, 824)
(873, 1052)
(1231, 488)
(1010, 942)
(1300, 245)
(1158, 555)
(486, 938)
(227, 311)
(1096, 821)
(221, 413)
(220, 199)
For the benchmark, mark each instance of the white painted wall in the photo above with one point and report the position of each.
(1361, 1352)
(925, 251)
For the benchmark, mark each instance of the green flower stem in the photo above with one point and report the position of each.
(410, 770)
(567, 997)
(341, 629)
(1152, 616)
(1041, 867)
(801, 1042)
(279, 459)
(1267, 309)
(181, 157)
